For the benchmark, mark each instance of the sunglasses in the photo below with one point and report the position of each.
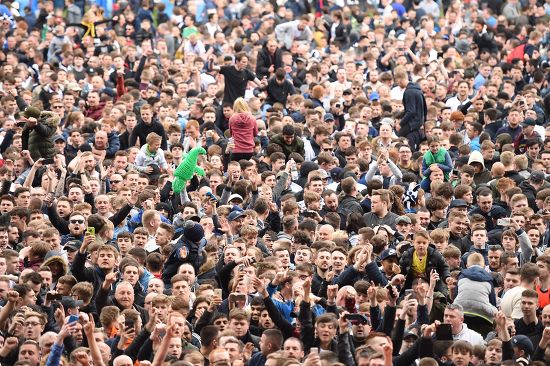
(76, 221)
(116, 181)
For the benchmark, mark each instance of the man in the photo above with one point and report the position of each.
(513, 128)
(529, 324)
(420, 260)
(288, 141)
(296, 30)
(461, 97)
(454, 315)
(543, 263)
(415, 113)
(269, 59)
(511, 301)
(146, 126)
(380, 210)
(236, 77)
(484, 198)
(270, 342)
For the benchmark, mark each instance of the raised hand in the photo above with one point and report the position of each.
(332, 292)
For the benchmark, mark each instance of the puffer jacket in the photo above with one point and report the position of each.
(38, 139)
(476, 293)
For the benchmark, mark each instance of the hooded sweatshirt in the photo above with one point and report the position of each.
(475, 293)
(243, 129)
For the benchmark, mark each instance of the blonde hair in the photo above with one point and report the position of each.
(240, 106)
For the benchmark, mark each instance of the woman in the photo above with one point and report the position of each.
(243, 129)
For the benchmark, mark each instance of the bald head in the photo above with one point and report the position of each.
(326, 232)
(123, 361)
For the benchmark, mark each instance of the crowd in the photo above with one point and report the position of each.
(282, 183)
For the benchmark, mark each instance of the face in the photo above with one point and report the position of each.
(29, 353)
(485, 203)
(529, 306)
(33, 328)
(106, 259)
(493, 354)
(453, 318)
(511, 281)
(240, 327)
(124, 295)
(325, 331)
(378, 206)
(421, 245)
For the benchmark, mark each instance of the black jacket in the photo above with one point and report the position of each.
(415, 108)
(142, 130)
(265, 60)
(434, 261)
(278, 93)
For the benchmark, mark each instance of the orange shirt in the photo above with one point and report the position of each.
(544, 297)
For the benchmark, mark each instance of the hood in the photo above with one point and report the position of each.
(307, 167)
(413, 86)
(54, 256)
(207, 266)
(49, 118)
(476, 157)
(525, 186)
(476, 273)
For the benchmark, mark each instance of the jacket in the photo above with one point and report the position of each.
(484, 176)
(38, 139)
(243, 129)
(476, 293)
(530, 192)
(95, 112)
(265, 60)
(434, 261)
(84, 274)
(415, 108)
(185, 251)
(296, 146)
(348, 205)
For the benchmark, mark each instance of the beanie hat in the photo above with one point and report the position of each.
(193, 231)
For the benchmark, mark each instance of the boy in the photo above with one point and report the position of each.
(461, 353)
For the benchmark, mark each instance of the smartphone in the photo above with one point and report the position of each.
(444, 332)
(408, 292)
(349, 304)
(211, 196)
(129, 323)
(90, 230)
(309, 214)
(357, 318)
(72, 319)
(237, 300)
(47, 161)
(218, 292)
(504, 221)
(389, 287)
(314, 350)
(51, 297)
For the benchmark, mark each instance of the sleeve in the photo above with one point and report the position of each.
(425, 167)
(54, 358)
(374, 274)
(120, 215)
(306, 328)
(525, 245)
(79, 270)
(133, 349)
(448, 166)
(114, 144)
(344, 350)
(57, 221)
(389, 320)
(375, 316)
(284, 326)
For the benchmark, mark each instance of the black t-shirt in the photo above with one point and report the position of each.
(235, 82)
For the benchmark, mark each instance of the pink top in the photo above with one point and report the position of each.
(243, 129)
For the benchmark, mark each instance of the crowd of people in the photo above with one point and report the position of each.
(357, 183)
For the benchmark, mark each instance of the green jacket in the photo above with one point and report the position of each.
(38, 139)
(297, 145)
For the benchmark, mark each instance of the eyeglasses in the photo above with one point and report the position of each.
(32, 324)
(116, 181)
(327, 149)
(57, 107)
(76, 221)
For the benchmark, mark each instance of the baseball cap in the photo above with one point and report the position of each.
(235, 196)
(537, 176)
(31, 112)
(388, 253)
(235, 213)
(58, 137)
(458, 203)
(528, 122)
(403, 219)
(70, 302)
(374, 96)
(73, 245)
(409, 334)
(523, 342)
(323, 173)
(328, 117)
(73, 87)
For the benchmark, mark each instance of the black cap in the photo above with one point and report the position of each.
(458, 203)
(69, 302)
(537, 176)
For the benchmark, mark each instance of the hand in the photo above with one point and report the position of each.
(66, 330)
(153, 320)
(313, 359)
(329, 275)
(13, 296)
(388, 350)
(343, 324)
(371, 294)
(422, 293)
(149, 170)
(332, 292)
(398, 279)
(514, 224)
(289, 165)
(110, 279)
(392, 300)
(500, 320)
(545, 338)
(59, 316)
(434, 277)
(407, 305)
(224, 225)
(429, 330)
(247, 351)
(39, 163)
(215, 302)
(258, 285)
(11, 343)
(307, 289)
(88, 239)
